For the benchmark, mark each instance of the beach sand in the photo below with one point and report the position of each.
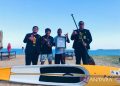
(20, 60)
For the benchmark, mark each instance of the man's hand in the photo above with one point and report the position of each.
(45, 39)
(66, 35)
(84, 44)
(74, 33)
(31, 38)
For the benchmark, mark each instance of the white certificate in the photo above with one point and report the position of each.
(61, 42)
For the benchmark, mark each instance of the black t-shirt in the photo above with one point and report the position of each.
(81, 36)
(47, 43)
(32, 46)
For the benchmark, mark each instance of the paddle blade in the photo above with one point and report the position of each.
(5, 73)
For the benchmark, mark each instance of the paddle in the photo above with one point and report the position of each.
(67, 75)
(52, 74)
(90, 59)
(74, 21)
(57, 74)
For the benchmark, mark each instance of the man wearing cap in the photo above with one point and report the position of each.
(33, 44)
(82, 39)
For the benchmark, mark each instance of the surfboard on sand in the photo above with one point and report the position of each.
(84, 75)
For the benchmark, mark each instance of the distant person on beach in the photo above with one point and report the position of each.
(9, 49)
(82, 39)
(23, 49)
(46, 48)
(60, 50)
(33, 44)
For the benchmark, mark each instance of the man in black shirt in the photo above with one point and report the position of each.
(33, 44)
(46, 48)
(82, 39)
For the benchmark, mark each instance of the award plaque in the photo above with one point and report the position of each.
(61, 42)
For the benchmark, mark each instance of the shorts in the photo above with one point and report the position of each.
(43, 57)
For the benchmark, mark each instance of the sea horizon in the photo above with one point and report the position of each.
(97, 52)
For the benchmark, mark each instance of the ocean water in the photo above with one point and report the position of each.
(18, 51)
(103, 52)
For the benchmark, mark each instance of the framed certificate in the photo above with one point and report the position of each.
(61, 42)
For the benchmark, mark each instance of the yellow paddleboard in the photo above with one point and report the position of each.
(77, 75)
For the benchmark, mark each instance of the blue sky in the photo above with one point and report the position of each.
(101, 17)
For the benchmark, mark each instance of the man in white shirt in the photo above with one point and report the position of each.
(60, 51)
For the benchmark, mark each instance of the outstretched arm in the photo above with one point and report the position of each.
(67, 38)
(74, 35)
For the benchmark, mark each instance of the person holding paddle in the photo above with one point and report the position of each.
(82, 39)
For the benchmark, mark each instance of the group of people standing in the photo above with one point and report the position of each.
(41, 46)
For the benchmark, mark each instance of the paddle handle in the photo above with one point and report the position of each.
(74, 21)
